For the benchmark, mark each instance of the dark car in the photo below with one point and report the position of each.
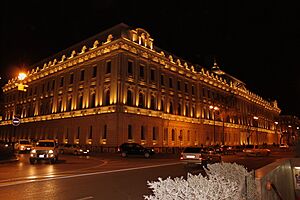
(135, 149)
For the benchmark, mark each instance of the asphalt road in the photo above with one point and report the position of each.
(104, 176)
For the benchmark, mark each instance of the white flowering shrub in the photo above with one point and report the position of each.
(224, 181)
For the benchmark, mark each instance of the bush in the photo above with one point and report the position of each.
(223, 181)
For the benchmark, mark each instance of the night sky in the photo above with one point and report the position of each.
(256, 41)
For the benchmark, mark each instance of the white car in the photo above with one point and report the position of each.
(44, 150)
(257, 151)
(23, 145)
(283, 146)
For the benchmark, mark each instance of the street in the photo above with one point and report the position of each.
(102, 176)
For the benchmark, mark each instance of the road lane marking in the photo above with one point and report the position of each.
(85, 198)
(81, 175)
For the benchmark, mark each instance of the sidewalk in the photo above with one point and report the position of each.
(13, 159)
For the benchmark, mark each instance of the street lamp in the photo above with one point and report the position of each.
(214, 108)
(256, 119)
(276, 123)
(20, 85)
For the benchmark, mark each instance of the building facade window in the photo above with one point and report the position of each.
(130, 132)
(130, 68)
(141, 100)
(69, 104)
(107, 98)
(129, 98)
(93, 100)
(152, 75)
(152, 103)
(173, 135)
(154, 133)
(142, 71)
(162, 80)
(71, 78)
(178, 85)
(108, 67)
(143, 135)
(104, 135)
(80, 102)
(61, 82)
(82, 75)
(94, 73)
(170, 83)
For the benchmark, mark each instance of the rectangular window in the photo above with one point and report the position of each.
(53, 85)
(71, 78)
(130, 68)
(94, 72)
(104, 132)
(152, 75)
(154, 134)
(48, 86)
(170, 83)
(193, 90)
(162, 79)
(78, 133)
(61, 82)
(91, 132)
(142, 71)
(129, 132)
(143, 133)
(185, 87)
(82, 75)
(108, 67)
(166, 134)
(178, 85)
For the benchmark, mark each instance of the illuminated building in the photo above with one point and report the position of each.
(117, 86)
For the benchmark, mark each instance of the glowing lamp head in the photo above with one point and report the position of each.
(22, 76)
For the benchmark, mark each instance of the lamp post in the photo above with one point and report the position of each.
(256, 119)
(214, 109)
(276, 133)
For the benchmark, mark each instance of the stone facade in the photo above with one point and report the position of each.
(117, 87)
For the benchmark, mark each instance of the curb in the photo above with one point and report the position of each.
(9, 160)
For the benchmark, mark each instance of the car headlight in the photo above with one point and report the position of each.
(80, 150)
(50, 151)
(33, 151)
(87, 150)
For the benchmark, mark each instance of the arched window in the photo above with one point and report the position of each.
(187, 110)
(107, 98)
(162, 107)
(80, 102)
(171, 108)
(173, 135)
(179, 109)
(69, 104)
(141, 100)
(59, 105)
(104, 135)
(93, 100)
(129, 98)
(152, 103)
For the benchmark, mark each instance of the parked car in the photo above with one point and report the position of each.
(23, 145)
(135, 149)
(74, 149)
(226, 150)
(200, 156)
(257, 151)
(44, 150)
(283, 146)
